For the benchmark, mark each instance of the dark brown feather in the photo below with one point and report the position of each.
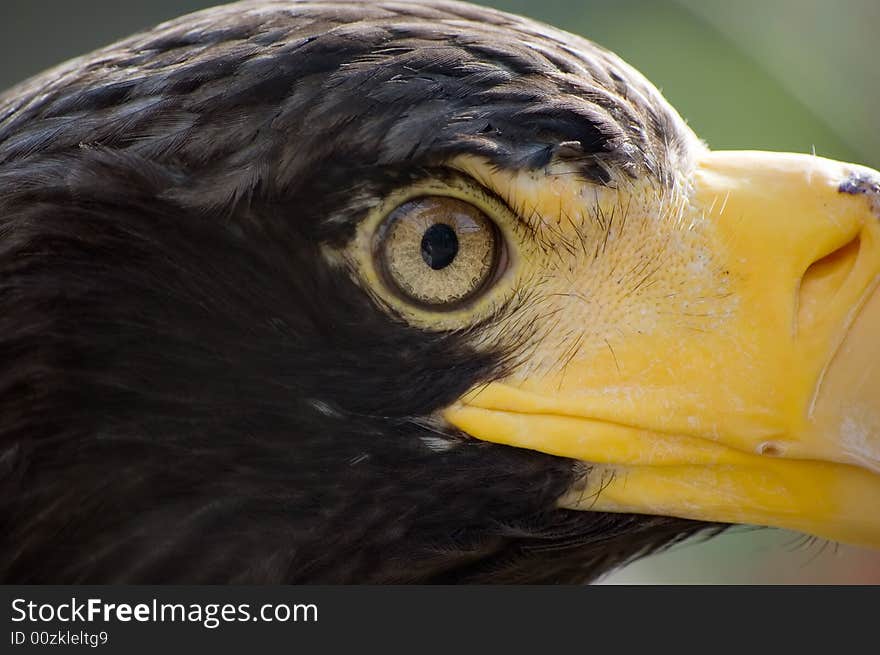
(189, 392)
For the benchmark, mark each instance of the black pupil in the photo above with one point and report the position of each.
(439, 246)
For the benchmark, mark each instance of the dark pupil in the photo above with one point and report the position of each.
(439, 246)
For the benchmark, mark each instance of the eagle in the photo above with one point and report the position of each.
(330, 291)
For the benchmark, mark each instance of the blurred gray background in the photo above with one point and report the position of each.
(796, 75)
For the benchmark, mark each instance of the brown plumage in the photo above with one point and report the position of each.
(189, 392)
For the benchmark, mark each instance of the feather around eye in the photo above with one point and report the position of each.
(438, 252)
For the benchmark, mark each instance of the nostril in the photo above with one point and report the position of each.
(821, 282)
(770, 449)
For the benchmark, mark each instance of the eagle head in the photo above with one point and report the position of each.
(330, 291)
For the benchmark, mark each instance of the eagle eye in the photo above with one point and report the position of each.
(438, 252)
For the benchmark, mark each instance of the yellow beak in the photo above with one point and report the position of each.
(769, 413)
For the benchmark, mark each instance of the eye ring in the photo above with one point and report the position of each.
(362, 253)
(439, 253)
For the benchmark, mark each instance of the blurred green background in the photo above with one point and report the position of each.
(796, 75)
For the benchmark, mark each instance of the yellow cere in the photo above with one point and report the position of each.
(682, 336)
(705, 345)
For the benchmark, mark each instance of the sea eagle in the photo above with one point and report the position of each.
(396, 291)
